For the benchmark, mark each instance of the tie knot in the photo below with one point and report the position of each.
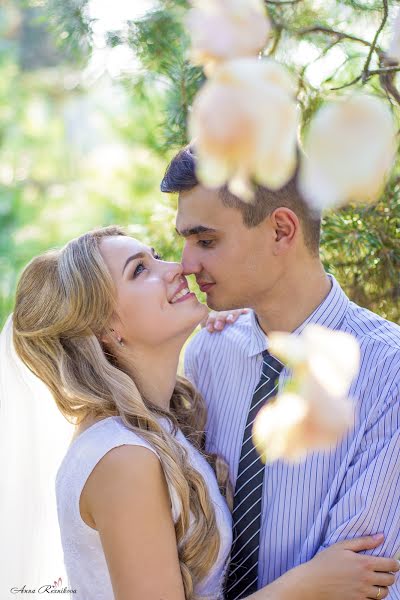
(271, 363)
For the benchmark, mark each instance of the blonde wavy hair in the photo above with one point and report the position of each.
(64, 301)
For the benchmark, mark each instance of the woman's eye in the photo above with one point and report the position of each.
(139, 269)
(205, 243)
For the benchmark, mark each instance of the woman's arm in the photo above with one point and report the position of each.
(337, 572)
(126, 495)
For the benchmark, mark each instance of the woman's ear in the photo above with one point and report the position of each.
(105, 336)
(111, 336)
(286, 226)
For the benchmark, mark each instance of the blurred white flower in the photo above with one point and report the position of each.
(225, 29)
(349, 151)
(313, 412)
(244, 124)
(394, 46)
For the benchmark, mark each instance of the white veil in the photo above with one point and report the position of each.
(34, 437)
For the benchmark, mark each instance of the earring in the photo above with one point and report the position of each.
(119, 338)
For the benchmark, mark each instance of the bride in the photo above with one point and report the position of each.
(142, 509)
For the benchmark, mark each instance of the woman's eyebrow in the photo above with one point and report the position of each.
(131, 258)
(137, 255)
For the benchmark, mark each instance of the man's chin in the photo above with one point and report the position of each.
(222, 304)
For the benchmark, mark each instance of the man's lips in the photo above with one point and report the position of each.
(205, 286)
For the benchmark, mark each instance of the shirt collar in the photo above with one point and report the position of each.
(330, 313)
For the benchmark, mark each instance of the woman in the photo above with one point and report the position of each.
(102, 323)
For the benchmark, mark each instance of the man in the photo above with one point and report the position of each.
(266, 256)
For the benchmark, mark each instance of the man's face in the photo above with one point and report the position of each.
(233, 264)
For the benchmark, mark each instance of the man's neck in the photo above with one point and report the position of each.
(294, 298)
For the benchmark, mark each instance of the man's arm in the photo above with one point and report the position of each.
(369, 499)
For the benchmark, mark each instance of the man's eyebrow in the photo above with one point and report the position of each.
(195, 231)
(135, 256)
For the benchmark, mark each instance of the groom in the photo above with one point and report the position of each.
(266, 256)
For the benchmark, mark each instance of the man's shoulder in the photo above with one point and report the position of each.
(379, 341)
(373, 330)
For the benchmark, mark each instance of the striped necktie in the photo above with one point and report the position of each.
(246, 515)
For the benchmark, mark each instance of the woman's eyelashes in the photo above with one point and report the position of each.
(140, 267)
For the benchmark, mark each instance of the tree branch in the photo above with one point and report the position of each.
(387, 80)
(278, 35)
(375, 41)
(278, 2)
(340, 35)
(386, 73)
(392, 69)
(341, 87)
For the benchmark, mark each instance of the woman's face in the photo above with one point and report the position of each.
(153, 307)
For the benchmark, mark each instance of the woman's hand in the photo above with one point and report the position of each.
(216, 321)
(340, 572)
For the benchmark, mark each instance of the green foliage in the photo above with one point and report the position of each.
(70, 24)
(360, 245)
(60, 174)
(159, 39)
(161, 43)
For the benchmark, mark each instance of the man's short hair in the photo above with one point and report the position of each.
(180, 176)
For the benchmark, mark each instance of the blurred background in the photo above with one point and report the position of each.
(94, 96)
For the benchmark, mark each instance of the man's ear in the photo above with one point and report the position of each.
(286, 225)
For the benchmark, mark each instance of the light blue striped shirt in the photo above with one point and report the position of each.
(347, 492)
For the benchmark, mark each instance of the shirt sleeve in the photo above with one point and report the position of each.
(369, 497)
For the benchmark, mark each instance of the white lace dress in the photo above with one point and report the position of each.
(84, 558)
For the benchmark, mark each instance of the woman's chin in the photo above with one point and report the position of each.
(190, 314)
(202, 311)
(199, 313)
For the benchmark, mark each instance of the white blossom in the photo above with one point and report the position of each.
(244, 124)
(313, 411)
(349, 151)
(224, 29)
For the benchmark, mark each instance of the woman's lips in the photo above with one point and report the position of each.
(191, 295)
(205, 287)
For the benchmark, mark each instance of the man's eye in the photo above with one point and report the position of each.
(158, 257)
(205, 243)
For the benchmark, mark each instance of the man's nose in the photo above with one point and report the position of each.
(190, 263)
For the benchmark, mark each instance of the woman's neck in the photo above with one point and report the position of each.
(154, 373)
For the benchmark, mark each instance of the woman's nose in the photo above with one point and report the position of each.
(172, 271)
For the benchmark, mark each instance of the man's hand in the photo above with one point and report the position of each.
(216, 321)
